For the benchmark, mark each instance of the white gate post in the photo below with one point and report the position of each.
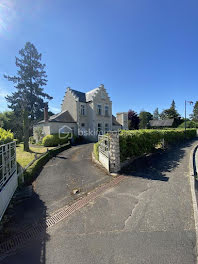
(114, 152)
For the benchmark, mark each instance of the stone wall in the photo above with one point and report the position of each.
(114, 152)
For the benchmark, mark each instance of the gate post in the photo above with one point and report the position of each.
(114, 152)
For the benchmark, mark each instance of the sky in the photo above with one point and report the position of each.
(145, 52)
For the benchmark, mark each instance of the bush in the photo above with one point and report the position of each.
(32, 140)
(6, 136)
(55, 140)
(96, 151)
(138, 142)
(189, 124)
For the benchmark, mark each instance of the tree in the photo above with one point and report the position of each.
(10, 121)
(194, 115)
(170, 112)
(28, 100)
(145, 117)
(156, 114)
(133, 120)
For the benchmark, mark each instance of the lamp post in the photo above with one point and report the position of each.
(190, 102)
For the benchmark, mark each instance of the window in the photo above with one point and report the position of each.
(99, 110)
(106, 127)
(82, 110)
(82, 125)
(99, 128)
(106, 110)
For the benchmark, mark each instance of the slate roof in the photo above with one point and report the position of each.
(91, 94)
(114, 121)
(62, 117)
(80, 95)
(85, 97)
(161, 123)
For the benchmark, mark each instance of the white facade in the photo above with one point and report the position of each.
(88, 114)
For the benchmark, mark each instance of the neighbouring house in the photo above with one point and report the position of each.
(87, 114)
(162, 123)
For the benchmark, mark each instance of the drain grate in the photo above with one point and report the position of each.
(37, 231)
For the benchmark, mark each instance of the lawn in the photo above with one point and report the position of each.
(24, 158)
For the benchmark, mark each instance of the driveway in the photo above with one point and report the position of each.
(146, 219)
(70, 170)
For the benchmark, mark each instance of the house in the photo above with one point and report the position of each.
(86, 114)
(162, 123)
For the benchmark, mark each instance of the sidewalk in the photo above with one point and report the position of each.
(147, 218)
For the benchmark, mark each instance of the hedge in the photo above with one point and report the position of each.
(189, 124)
(134, 143)
(55, 140)
(33, 171)
(6, 136)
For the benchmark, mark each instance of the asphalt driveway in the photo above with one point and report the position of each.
(72, 169)
(145, 219)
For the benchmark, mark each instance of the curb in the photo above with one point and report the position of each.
(193, 173)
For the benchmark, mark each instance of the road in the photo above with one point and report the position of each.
(147, 218)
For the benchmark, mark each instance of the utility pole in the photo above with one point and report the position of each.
(185, 116)
(190, 102)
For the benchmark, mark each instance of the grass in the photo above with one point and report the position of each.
(24, 157)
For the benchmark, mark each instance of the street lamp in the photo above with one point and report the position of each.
(190, 102)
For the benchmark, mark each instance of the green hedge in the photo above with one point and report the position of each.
(134, 143)
(6, 136)
(189, 124)
(55, 140)
(33, 171)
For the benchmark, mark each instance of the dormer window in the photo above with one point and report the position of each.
(106, 110)
(82, 110)
(99, 109)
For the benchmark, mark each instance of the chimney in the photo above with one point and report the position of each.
(46, 112)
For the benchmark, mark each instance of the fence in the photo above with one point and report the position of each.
(104, 151)
(109, 151)
(8, 175)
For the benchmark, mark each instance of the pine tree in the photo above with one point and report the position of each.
(170, 112)
(156, 114)
(194, 115)
(28, 100)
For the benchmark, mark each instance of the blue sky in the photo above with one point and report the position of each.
(145, 52)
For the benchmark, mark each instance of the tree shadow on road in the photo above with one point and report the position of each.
(156, 166)
(25, 228)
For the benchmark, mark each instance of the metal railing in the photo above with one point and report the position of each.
(7, 162)
(104, 144)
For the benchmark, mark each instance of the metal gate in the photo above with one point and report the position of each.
(104, 151)
(8, 175)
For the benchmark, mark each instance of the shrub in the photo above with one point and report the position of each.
(6, 136)
(189, 124)
(38, 132)
(32, 140)
(55, 140)
(138, 142)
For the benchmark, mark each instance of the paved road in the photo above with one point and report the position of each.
(146, 219)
